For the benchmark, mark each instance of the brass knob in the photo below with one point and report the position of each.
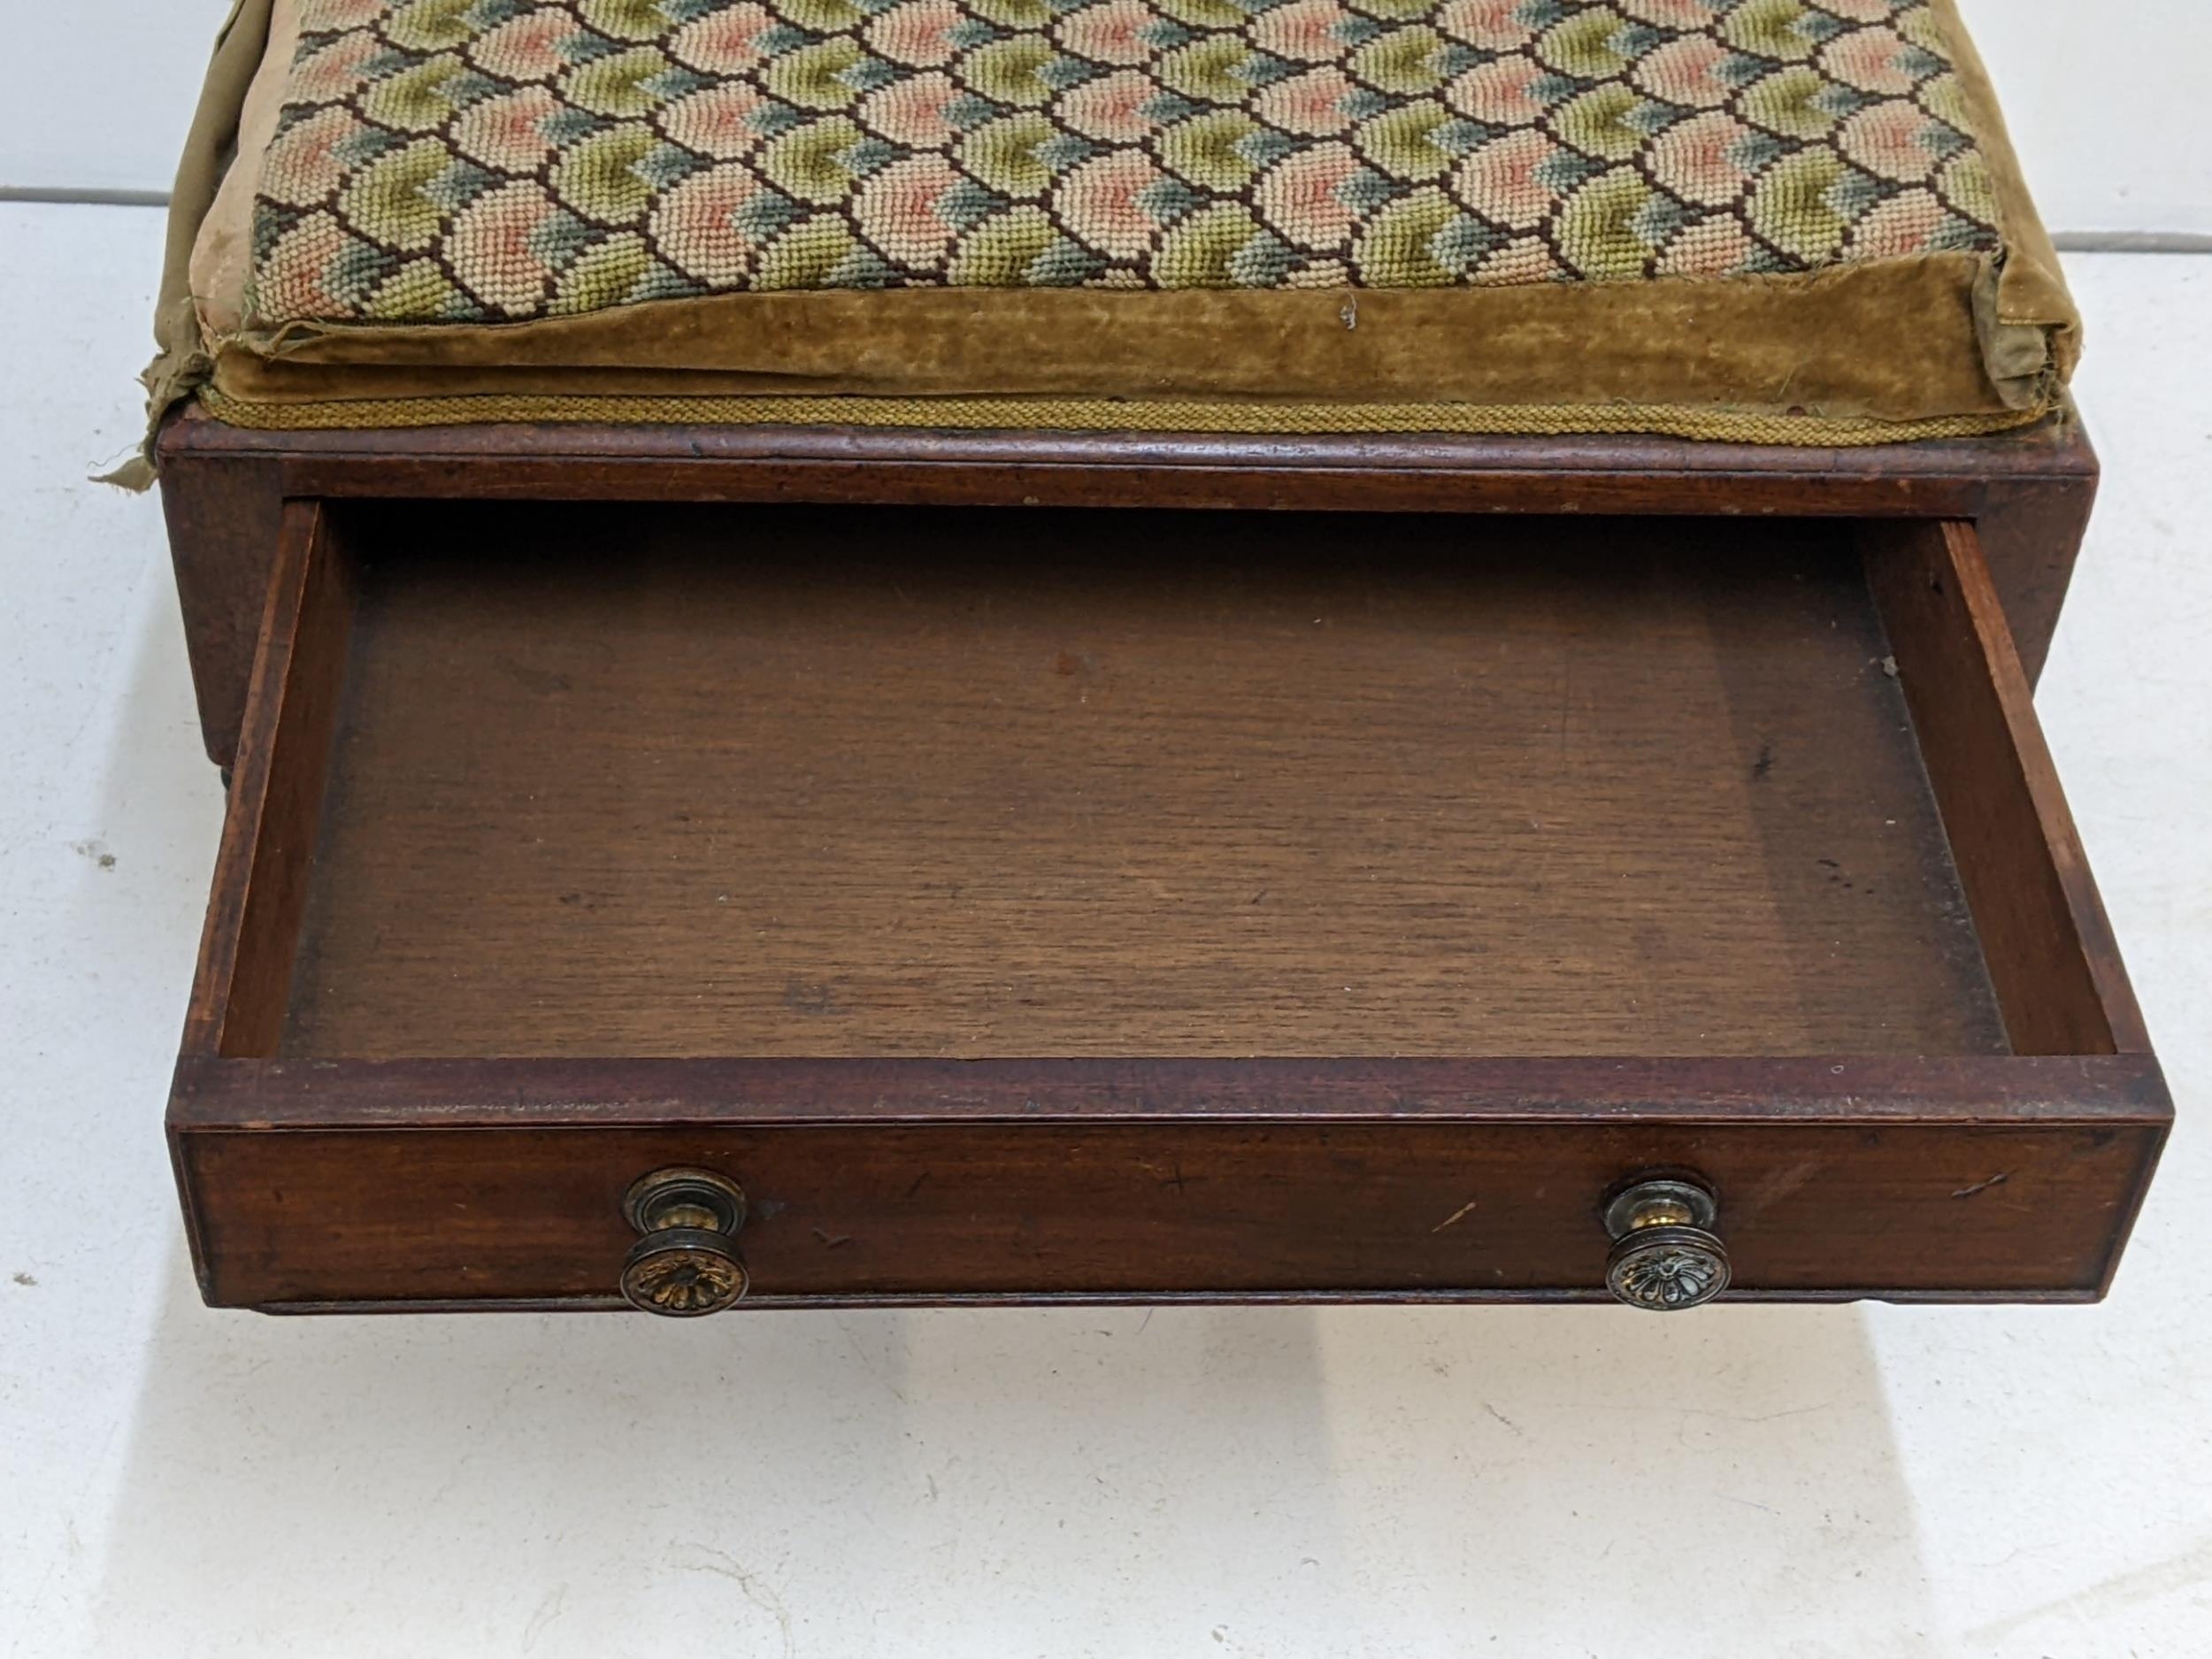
(1666, 1255)
(685, 1261)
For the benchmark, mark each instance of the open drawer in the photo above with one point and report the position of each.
(855, 906)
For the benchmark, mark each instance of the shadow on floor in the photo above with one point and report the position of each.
(1063, 1481)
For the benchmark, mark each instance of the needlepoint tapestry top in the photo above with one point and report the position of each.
(488, 160)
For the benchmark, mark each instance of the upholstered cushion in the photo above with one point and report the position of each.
(1793, 209)
(442, 161)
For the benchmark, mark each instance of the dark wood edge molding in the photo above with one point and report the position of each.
(234, 1095)
(2055, 447)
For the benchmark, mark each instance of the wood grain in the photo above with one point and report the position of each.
(2030, 492)
(223, 514)
(1493, 1211)
(1139, 784)
(2055, 966)
(241, 992)
(494, 1183)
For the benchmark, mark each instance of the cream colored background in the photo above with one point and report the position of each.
(2105, 98)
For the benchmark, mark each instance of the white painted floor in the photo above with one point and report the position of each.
(1764, 1483)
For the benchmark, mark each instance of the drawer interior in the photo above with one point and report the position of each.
(1022, 905)
(619, 780)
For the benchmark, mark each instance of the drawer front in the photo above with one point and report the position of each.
(1491, 1211)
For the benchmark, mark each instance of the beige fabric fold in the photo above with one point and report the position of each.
(2037, 327)
(184, 357)
(222, 254)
